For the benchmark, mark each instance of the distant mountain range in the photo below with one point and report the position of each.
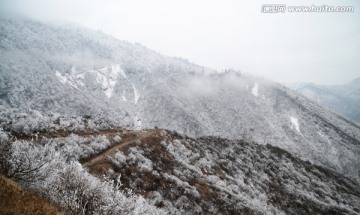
(74, 71)
(342, 99)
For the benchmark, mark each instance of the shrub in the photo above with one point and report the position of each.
(25, 163)
(117, 139)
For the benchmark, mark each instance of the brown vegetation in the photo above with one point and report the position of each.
(13, 200)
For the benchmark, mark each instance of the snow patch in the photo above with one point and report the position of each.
(122, 72)
(105, 77)
(61, 78)
(295, 123)
(123, 96)
(136, 94)
(255, 90)
(67, 79)
(324, 137)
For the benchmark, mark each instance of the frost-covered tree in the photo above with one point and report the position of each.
(81, 193)
(45, 170)
(26, 163)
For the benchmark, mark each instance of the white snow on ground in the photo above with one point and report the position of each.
(255, 90)
(75, 78)
(122, 72)
(62, 78)
(108, 92)
(66, 79)
(324, 137)
(295, 123)
(105, 77)
(123, 96)
(136, 94)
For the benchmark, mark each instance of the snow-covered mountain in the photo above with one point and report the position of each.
(74, 71)
(342, 99)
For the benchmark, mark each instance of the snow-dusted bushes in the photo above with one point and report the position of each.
(26, 163)
(71, 147)
(117, 139)
(81, 193)
(98, 144)
(119, 159)
(143, 163)
(30, 121)
(101, 122)
(44, 170)
(75, 147)
(135, 156)
(182, 184)
(27, 122)
(3, 135)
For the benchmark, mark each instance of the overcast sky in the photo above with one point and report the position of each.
(322, 48)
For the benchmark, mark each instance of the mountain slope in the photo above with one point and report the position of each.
(76, 72)
(207, 175)
(226, 105)
(16, 201)
(212, 175)
(72, 70)
(342, 99)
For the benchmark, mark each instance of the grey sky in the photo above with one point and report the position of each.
(319, 47)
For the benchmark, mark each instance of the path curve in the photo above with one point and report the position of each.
(112, 149)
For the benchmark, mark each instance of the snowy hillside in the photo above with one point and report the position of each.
(78, 72)
(233, 105)
(171, 171)
(72, 70)
(211, 175)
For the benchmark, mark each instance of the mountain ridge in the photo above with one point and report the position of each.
(342, 99)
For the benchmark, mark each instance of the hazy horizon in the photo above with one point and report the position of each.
(322, 48)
